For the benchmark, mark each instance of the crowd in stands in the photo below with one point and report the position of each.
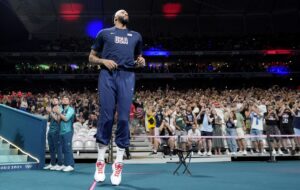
(173, 66)
(227, 112)
(194, 113)
(85, 104)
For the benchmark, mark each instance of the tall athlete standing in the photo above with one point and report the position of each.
(118, 51)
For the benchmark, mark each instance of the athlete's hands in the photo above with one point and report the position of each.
(140, 61)
(110, 64)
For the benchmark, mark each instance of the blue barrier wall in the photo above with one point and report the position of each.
(24, 130)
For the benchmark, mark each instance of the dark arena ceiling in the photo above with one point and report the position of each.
(56, 18)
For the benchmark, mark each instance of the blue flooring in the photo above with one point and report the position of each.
(216, 176)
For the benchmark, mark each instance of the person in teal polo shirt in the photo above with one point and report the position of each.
(66, 114)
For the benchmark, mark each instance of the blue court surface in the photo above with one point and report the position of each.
(223, 176)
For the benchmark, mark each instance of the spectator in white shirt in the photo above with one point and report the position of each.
(256, 116)
(194, 138)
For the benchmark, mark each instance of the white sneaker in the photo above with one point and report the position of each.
(68, 169)
(264, 151)
(209, 153)
(274, 152)
(245, 152)
(54, 167)
(240, 152)
(233, 153)
(48, 167)
(227, 152)
(100, 171)
(116, 176)
(200, 153)
(59, 168)
(280, 152)
(205, 153)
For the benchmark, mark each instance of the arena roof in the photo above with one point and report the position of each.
(53, 18)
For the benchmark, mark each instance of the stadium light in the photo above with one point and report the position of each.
(70, 11)
(93, 27)
(171, 10)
